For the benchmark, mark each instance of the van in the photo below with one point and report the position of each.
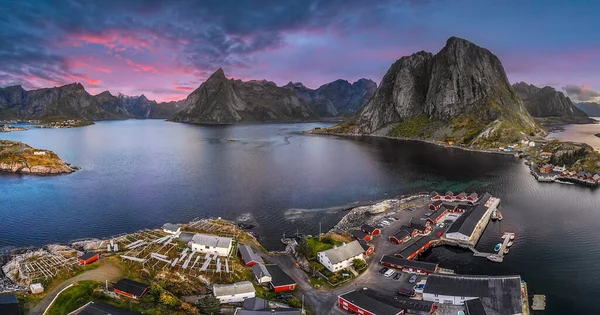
(389, 273)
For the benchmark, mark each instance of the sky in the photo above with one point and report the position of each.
(166, 49)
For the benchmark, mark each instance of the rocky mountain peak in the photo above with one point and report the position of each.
(217, 75)
(548, 102)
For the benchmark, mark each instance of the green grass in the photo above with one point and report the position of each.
(318, 246)
(417, 127)
(73, 298)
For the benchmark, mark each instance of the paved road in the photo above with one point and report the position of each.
(107, 271)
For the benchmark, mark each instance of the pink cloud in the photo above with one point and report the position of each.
(184, 88)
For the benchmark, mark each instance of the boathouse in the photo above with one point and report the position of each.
(436, 204)
(130, 288)
(449, 196)
(249, 257)
(360, 235)
(462, 196)
(369, 302)
(435, 196)
(411, 266)
(413, 249)
(463, 228)
(340, 257)
(87, 258)
(403, 235)
(500, 293)
(171, 228)
(367, 248)
(9, 305)
(472, 197)
(422, 226)
(437, 216)
(205, 243)
(234, 292)
(280, 281)
(261, 274)
(370, 230)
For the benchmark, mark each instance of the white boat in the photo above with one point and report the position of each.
(494, 215)
(512, 237)
(504, 236)
(495, 258)
(509, 244)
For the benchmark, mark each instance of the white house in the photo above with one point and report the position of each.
(235, 292)
(456, 289)
(39, 152)
(559, 168)
(205, 243)
(341, 257)
(171, 228)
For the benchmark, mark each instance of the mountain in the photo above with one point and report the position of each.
(73, 101)
(548, 102)
(223, 101)
(337, 98)
(461, 94)
(590, 108)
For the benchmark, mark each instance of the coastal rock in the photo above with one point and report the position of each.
(19, 158)
(547, 102)
(337, 98)
(454, 95)
(223, 101)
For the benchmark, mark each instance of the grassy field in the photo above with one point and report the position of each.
(73, 298)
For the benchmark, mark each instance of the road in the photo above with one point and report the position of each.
(322, 301)
(107, 271)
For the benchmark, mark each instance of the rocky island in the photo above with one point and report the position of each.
(19, 158)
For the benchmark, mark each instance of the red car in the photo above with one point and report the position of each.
(440, 233)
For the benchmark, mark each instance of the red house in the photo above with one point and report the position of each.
(461, 196)
(249, 257)
(369, 302)
(280, 281)
(472, 197)
(415, 248)
(449, 196)
(87, 258)
(437, 216)
(368, 248)
(435, 205)
(360, 235)
(435, 196)
(403, 235)
(370, 230)
(130, 288)
(412, 266)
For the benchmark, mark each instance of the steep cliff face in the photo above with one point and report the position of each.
(590, 108)
(223, 101)
(547, 102)
(461, 94)
(337, 98)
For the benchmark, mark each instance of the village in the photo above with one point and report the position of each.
(367, 264)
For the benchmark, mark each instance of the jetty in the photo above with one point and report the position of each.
(495, 257)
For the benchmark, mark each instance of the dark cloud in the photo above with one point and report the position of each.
(581, 93)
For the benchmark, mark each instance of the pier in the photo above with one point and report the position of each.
(495, 257)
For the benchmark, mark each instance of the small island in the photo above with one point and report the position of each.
(63, 123)
(19, 158)
(8, 128)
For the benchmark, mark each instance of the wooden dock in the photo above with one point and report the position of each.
(539, 303)
(495, 257)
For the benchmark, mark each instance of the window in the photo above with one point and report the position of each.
(206, 246)
(436, 295)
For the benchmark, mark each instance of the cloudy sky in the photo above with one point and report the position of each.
(165, 49)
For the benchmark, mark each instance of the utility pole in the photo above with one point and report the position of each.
(320, 230)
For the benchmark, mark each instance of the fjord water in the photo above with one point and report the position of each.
(139, 174)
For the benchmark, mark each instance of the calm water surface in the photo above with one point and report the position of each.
(580, 133)
(140, 174)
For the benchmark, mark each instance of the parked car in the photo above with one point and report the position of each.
(409, 293)
(397, 276)
(383, 270)
(440, 233)
(385, 223)
(389, 273)
(391, 219)
(412, 279)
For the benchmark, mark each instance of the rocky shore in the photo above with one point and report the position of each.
(19, 158)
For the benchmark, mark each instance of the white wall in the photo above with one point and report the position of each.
(457, 236)
(209, 249)
(324, 260)
(236, 298)
(447, 299)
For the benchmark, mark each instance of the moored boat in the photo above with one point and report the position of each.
(509, 244)
(497, 247)
(506, 251)
(494, 215)
(512, 237)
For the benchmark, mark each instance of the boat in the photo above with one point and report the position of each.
(563, 182)
(509, 244)
(506, 251)
(495, 258)
(500, 218)
(504, 236)
(497, 247)
(494, 215)
(231, 139)
(512, 237)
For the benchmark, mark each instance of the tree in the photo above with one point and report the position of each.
(210, 305)
(359, 264)
(304, 249)
(168, 300)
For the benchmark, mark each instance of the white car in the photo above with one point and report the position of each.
(386, 223)
(389, 273)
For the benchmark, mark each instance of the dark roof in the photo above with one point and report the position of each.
(434, 193)
(501, 293)
(87, 255)
(248, 254)
(100, 308)
(364, 244)
(438, 213)
(466, 223)
(464, 206)
(9, 305)
(420, 225)
(255, 303)
(401, 234)
(358, 234)
(463, 194)
(363, 299)
(475, 307)
(449, 193)
(437, 203)
(414, 246)
(278, 311)
(368, 228)
(278, 276)
(473, 195)
(449, 206)
(422, 265)
(130, 286)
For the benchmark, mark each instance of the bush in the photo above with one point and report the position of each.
(359, 264)
(328, 240)
(210, 305)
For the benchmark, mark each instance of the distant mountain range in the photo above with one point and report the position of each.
(461, 94)
(73, 101)
(590, 108)
(547, 102)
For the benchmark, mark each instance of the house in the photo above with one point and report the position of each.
(205, 243)
(502, 148)
(449, 196)
(130, 288)
(559, 169)
(525, 141)
(249, 257)
(472, 197)
(413, 249)
(462, 207)
(464, 227)
(412, 266)
(437, 216)
(9, 305)
(596, 178)
(546, 168)
(261, 274)
(369, 302)
(436, 204)
(258, 306)
(39, 152)
(435, 196)
(87, 258)
(403, 235)
(101, 308)
(280, 281)
(422, 226)
(36, 288)
(340, 257)
(367, 248)
(171, 228)
(546, 155)
(500, 293)
(461, 196)
(370, 230)
(234, 292)
(360, 235)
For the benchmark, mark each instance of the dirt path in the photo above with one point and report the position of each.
(107, 271)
